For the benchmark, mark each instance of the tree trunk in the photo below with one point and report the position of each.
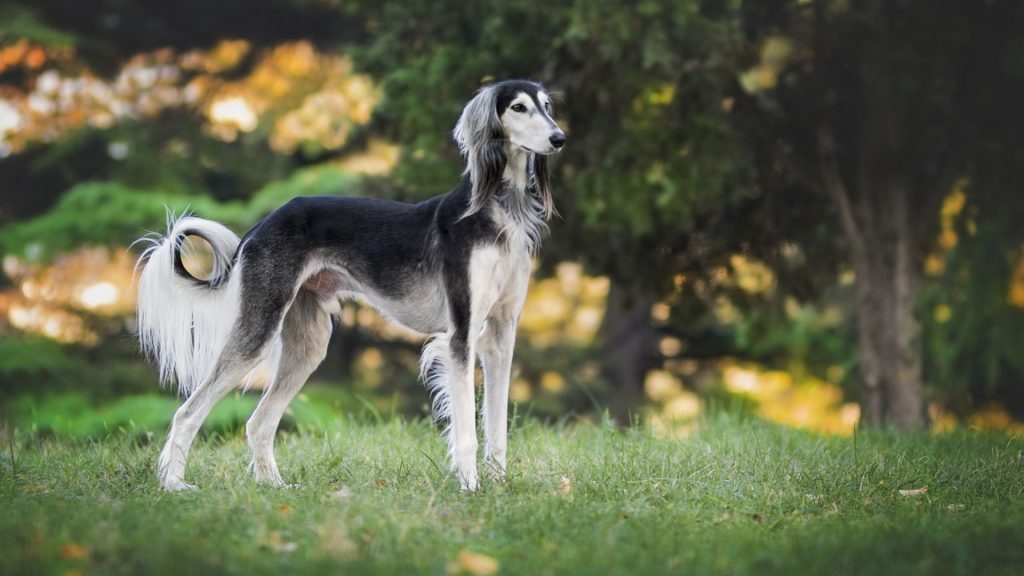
(881, 237)
(906, 392)
(889, 338)
(627, 339)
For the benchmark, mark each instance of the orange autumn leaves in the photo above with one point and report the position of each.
(293, 95)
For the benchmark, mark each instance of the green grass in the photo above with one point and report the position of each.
(738, 497)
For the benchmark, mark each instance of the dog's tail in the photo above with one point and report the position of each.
(183, 321)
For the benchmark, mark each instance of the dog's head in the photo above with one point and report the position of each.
(510, 116)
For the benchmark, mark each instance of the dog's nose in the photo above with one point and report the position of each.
(558, 139)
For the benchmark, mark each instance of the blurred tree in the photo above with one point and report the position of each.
(653, 183)
(881, 106)
(106, 89)
(110, 111)
(705, 136)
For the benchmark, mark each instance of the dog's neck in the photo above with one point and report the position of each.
(518, 211)
(517, 169)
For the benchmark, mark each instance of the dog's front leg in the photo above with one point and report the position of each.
(462, 442)
(496, 355)
(497, 343)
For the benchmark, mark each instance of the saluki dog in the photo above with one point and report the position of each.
(454, 267)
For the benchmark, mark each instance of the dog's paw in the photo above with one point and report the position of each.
(468, 483)
(177, 486)
(495, 472)
(266, 474)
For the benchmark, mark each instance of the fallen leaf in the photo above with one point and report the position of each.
(336, 543)
(382, 482)
(284, 509)
(73, 551)
(565, 485)
(468, 562)
(278, 544)
(914, 491)
(343, 493)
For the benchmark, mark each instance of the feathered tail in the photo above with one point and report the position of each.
(184, 322)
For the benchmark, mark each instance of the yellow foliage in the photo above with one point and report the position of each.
(995, 417)
(1016, 293)
(934, 265)
(468, 562)
(520, 390)
(326, 97)
(663, 95)
(660, 312)
(941, 419)
(758, 79)
(948, 239)
(776, 52)
(670, 346)
(686, 405)
(566, 308)
(552, 382)
(49, 298)
(807, 403)
(378, 159)
(73, 551)
(752, 276)
(954, 203)
(661, 386)
(725, 311)
(369, 365)
(952, 206)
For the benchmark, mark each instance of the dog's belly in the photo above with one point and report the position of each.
(425, 311)
(422, 309)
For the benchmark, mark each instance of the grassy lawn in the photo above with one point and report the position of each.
(737, 497)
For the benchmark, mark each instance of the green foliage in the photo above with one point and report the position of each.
(35, 359)
(35, 366)
(110, 213)
(89, 214)
(81, 416)
(651, 148)
(72, 414)
(21, 22)
(973, 352)
(812, 339)
(738, 497)
(693, 132)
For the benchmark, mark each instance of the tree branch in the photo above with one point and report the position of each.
(836, 187)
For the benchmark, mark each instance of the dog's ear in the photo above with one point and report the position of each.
(481, 140)
(542, 186)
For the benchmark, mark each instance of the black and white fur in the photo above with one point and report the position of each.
(454, 267)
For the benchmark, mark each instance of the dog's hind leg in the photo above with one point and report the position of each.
(304, 337)
(229, 371)
(257, 326)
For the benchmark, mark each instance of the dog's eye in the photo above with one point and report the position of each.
(518, 108)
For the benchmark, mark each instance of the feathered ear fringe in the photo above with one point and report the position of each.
(482, 141)
(542, 186)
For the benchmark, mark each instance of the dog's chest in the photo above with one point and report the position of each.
(498, 278)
